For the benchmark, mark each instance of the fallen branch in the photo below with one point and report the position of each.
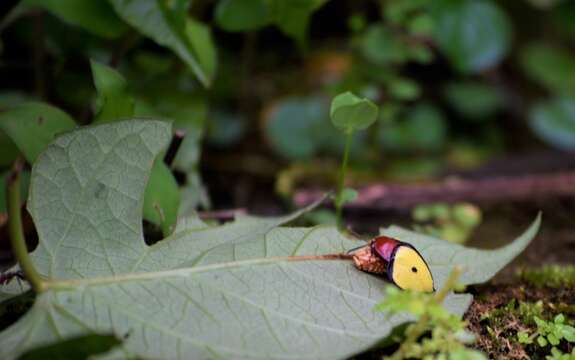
(499, 189)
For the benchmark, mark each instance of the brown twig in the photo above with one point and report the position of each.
(321, 257)
(401, 196)
(174, 147)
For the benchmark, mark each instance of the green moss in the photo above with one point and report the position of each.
(522, 311)
(533, 328)
(553, 276)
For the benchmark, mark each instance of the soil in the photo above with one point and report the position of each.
(498, 342)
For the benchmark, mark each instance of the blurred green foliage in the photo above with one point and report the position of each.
(449, 77)
(451, 222)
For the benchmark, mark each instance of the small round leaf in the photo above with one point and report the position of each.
(349, 112)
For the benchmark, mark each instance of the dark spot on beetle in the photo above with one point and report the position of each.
(100, 192)
(40, 120)
(414, 269)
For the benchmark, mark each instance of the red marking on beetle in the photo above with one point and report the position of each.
(376, 256)
(384, 246)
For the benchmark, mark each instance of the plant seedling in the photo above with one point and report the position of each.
(549, 332)
(349, 113)
(448, 333)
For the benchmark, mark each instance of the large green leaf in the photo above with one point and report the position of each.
(473, 34)
(33, 125)
(206, 291)
(96, 16)
(167, 24)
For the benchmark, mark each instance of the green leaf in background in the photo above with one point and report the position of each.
(25, 182)
(473, 100)
(552, 67)
(96, 16)
(298, 128)
(205, 291)
(242, 15)
(563, 15)
(380, 46)
(162, 198)
(33, 125)
(295, 126)
(114, 101)
(474, 34)
(554, 122)
(225, 128)
(203, 44)
(293, 16)
(423, 127)
(9, 149)
(349, 112)
(81, 347)
(403, 89)
(167, 24)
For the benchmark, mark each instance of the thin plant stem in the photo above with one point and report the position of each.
(415, 331)
(341, 182)
(15, 228)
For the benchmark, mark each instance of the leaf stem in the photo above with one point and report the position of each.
(183, 272)
(15, 227)
(415, 331)
(341, 181)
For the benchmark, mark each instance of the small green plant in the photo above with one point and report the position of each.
(550, 333)
(454, 223)
(349, 113)
(448, 332)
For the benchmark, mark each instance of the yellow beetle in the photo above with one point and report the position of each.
(400, 261)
